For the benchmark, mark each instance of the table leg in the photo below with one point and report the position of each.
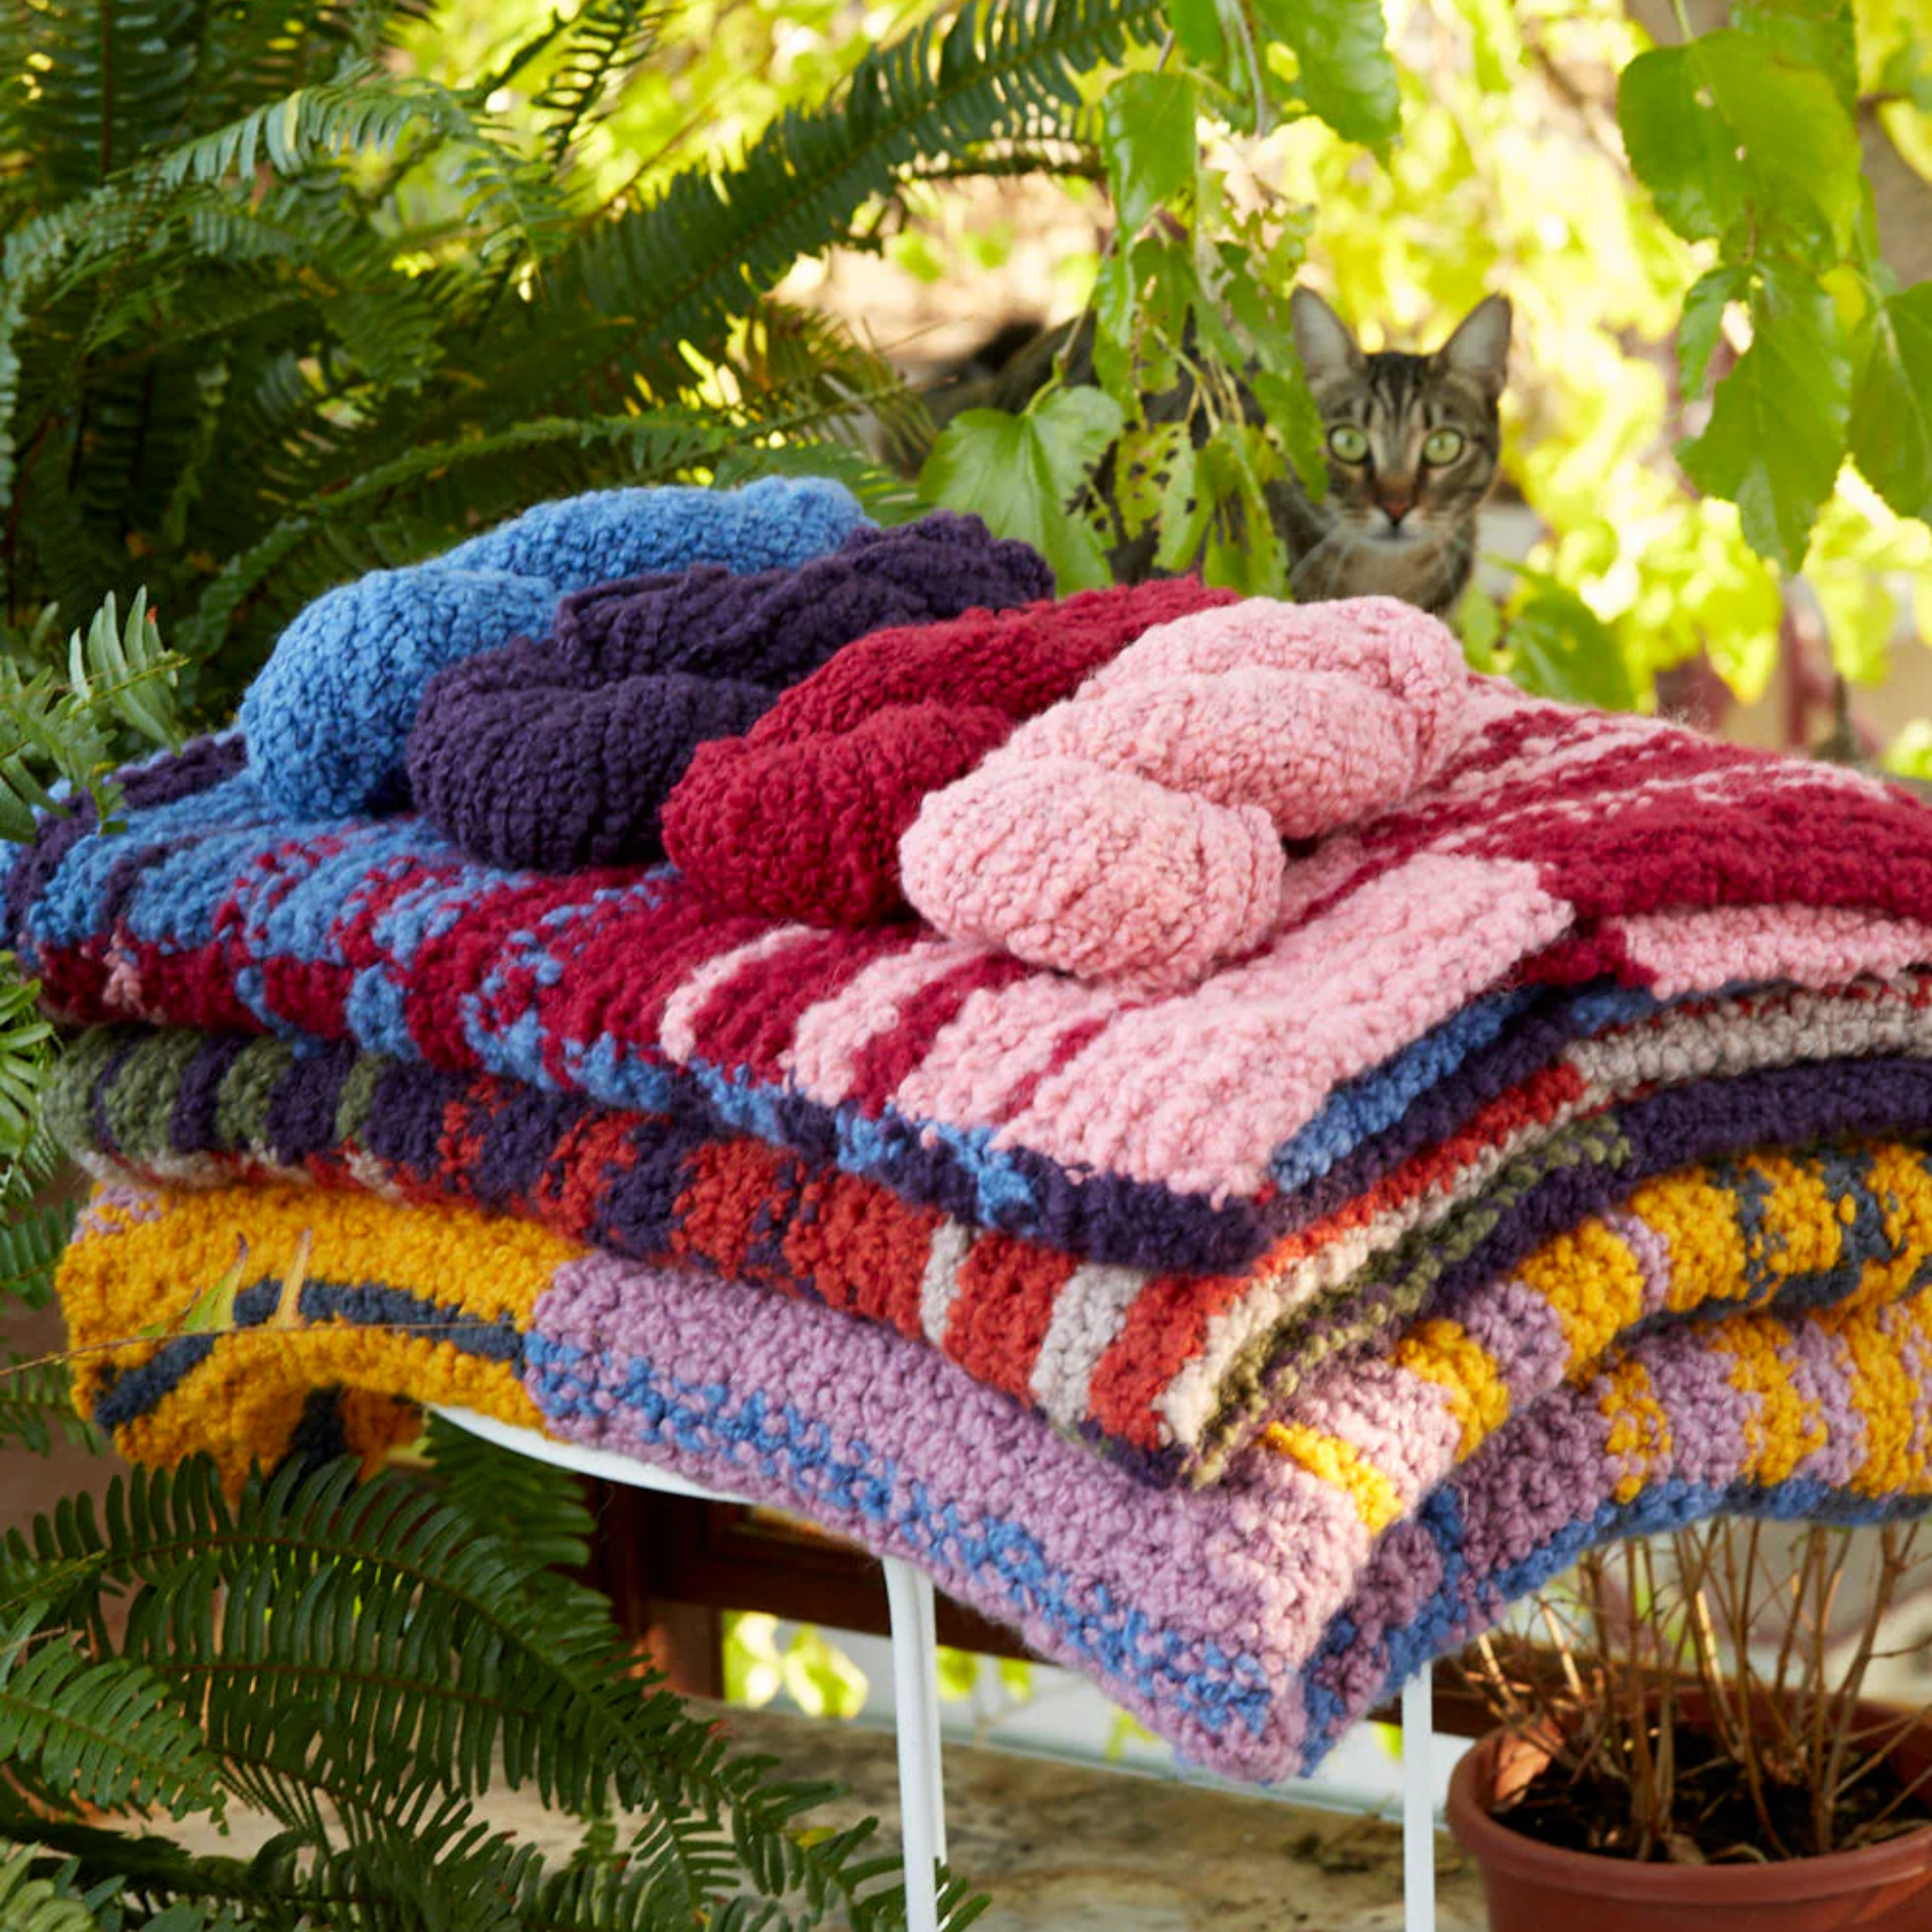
(916, 1693)
(1418, 1803)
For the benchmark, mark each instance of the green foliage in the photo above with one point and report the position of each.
(1196, 283)
(275, 308)
(807, 1666)
(1744, 143)
(538, 1510)
(97, 1733)
(1342, 67)
(1746, 138)
(1891, 423)
(63, 731)
(363, 1663)
(1560, 647)
(1149, 123)
(1022, 473)
(43, 1894)
(1777, 437)
(1494, 165)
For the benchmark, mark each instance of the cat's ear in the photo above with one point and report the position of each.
(1322, 338)
(1479, 349)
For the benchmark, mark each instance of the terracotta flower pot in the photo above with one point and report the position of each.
(1539, 1888)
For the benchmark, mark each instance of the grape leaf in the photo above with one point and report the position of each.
(1151, 142)
(1148, 463)
(1817, 33)
(1777, 435)
(1736, 139)
(1023, 473)
(1703, 322)
(1197, 27)
(1892, 413)
(1346, 76)
(1560, 648)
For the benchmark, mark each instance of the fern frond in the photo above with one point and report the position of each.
(23, 1185)
(354, 114)
(25, 1039)
(123, 670)
(509, 197)
(537, 1511)
(679, 269)
(35, 1399)
(251, 54)
(32, 1902)
(371, 1644)
(81, 1732)
(31, 1242)
(197, 1889)
(112, 82)
(602, 45)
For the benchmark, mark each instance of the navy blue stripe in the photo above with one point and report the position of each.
(135, 1393)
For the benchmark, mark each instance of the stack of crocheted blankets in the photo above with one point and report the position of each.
(1237, 1144)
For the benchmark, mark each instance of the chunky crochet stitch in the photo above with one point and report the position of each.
(1169, 1373)
(1136, 830)
(559, 755)
(1383, 1516)
(327, 716)
(427, 1308)
(801, 817)
(1558, 848)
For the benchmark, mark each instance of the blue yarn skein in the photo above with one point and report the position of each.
(327, 716)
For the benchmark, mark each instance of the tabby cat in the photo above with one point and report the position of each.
(1411, 449)
(1412, 443)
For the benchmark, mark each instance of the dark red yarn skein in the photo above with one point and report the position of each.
(801, 817)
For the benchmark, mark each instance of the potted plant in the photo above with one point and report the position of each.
(1698, 1744)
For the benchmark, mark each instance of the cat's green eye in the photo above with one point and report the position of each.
(1442, 446)
(1348, 442)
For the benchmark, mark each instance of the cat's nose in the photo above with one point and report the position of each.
(1397, 507)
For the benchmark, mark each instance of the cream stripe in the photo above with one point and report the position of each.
(1088, 1315)
(940, 1286)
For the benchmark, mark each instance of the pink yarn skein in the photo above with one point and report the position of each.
(1134, 831)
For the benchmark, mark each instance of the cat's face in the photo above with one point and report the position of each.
(1412, 443)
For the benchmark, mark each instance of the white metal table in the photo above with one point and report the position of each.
(915, 1690)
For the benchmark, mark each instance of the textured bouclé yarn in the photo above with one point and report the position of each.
(327, 718)
(1628, 1374)
(800, 818)
(1557, 848)
(1136, 829)
(1168, 1372)
(559, 755)
(432, 1309)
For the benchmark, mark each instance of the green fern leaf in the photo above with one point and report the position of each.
(94, 1733)
(30, 1901)
(538, 1510)
(678, 270)
(602, 45)
(31, 1241)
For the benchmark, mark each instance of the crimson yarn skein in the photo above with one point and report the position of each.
(555, 756)
(801, 817)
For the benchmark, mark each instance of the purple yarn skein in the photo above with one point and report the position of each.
(559, 755)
